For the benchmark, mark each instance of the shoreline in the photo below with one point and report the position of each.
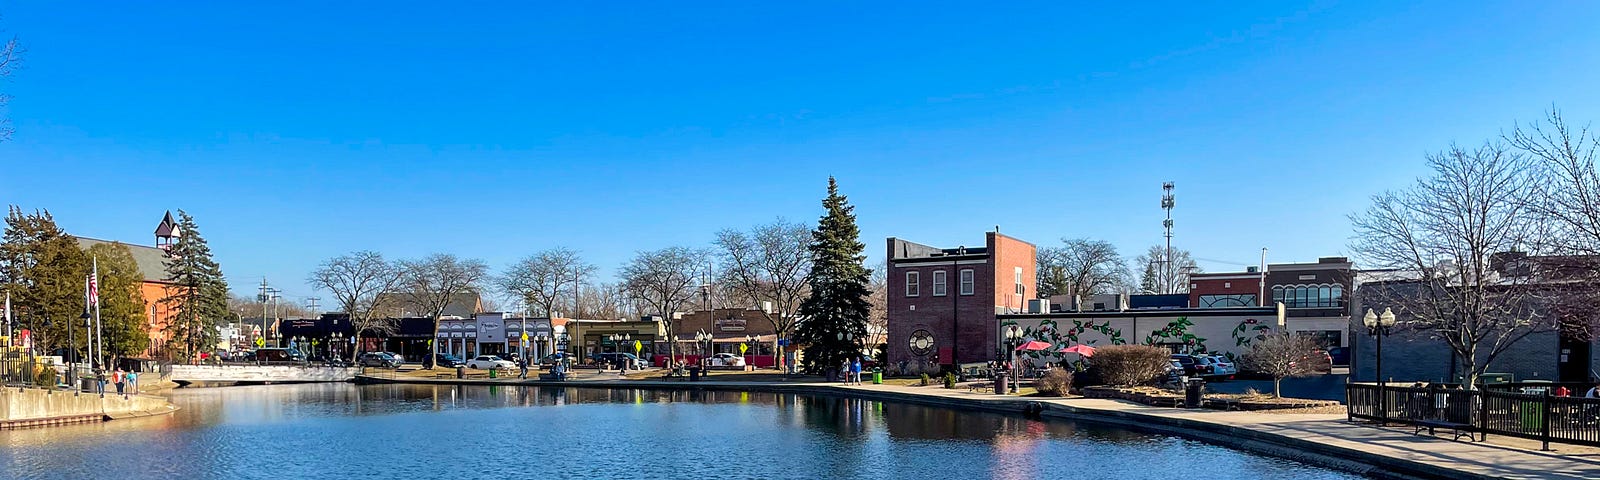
(1377, 453)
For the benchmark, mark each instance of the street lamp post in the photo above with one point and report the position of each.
(617, 340)
(332, 352)
(750, 340)
(1378, 326)
(849, 339)
(702, 342)
(564, 340)
(1013, 335)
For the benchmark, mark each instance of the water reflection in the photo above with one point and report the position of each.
(422, 431)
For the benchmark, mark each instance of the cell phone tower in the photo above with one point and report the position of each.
(1167, 202)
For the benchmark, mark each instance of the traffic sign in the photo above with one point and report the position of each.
(260, 342)
(743, 347)
(637, 346)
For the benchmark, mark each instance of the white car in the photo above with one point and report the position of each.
(727, 360)
(490, 362)
(1220, 366)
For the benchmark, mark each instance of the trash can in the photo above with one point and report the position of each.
(877, 376)
(88, 384)
(1192, 392)
(1000, 385)
(1532, 413)
(694, 374)
(492, 372)
(461, 372)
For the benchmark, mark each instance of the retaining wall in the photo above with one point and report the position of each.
(22, 407)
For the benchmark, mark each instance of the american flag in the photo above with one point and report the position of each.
(94, 287)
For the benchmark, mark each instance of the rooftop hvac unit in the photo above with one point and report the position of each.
(1039, 305)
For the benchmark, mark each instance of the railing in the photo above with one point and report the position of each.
(1535, 416)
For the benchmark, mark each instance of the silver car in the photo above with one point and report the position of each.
(378, 359)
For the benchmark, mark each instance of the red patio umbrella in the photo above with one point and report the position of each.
(1031, 346)
(1080, 349)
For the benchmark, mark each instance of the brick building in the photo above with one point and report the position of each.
(729, 327)
(154, 285)
(1313, 294)
(943, 302)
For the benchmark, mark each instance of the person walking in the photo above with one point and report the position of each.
(855, 371)
(118, 377)
(844, 371)
(522, 363)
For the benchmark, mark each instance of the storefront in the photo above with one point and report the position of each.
(539, 342)
(608, 336)
(729, 329)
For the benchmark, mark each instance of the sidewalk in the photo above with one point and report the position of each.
(1329, 433)
(1326, 440)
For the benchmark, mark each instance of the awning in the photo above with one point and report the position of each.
(730, 338)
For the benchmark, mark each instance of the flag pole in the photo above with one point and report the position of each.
(99, 335)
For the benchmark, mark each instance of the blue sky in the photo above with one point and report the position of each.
(298, 131)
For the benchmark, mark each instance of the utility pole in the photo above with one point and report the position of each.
(263, 299)
(1167, 201)
(313, 305)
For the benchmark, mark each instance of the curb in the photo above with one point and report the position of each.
(1240, 438)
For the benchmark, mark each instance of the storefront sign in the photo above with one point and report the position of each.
(730, 325)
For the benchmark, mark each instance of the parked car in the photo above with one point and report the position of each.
(489, 362)
(278, 355)
(1222, 367)
(552, 360)
(613, 359)
(397, 357)
(1193, 365)
(509, 356)
(726, 360)
(1339, 356)
(446, 360)
(378, 359)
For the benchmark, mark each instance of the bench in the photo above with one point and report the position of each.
(1457, 429)
(980, 386)
(675, 373)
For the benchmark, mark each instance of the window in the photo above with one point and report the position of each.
(966, 282)
(938, 283)
(1239, 300)
(1309, 296)
(1017, 279)
(912, 279)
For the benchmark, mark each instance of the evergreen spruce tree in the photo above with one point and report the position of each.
(44, 270)
(198, 296)
(122, 311)
(834, 317)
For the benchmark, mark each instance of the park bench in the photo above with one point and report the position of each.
(1457, 429)
(977, 387)
(677, 372)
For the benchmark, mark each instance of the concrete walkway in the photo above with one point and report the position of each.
(1390, 449)
(1325, 440)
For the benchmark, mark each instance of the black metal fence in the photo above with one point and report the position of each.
(1536, 416)
(17, 368)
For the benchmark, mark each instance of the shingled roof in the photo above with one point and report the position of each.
(151, 260)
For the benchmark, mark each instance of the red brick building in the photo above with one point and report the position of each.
(943, 302)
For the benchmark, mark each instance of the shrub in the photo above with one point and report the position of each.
(44, 377)
(1129, 365)
(949, 380)
(1057, 383)
(926, 380)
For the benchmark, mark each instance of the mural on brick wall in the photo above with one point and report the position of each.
(1177, 331)
(1248, 331)
(1049, 331)
(1104, 327)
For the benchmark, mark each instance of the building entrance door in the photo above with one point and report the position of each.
(1572, 359)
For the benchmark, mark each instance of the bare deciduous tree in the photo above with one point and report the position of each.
(665, 281)
(768, 266)
(543, 280)
(357, 282)
(434, 281)
(10, 60)
(1081, 266)
(605, 301)
(1566, 200)
(1160, 275)
(1282, 356)
(878, 313)
(1443, 232)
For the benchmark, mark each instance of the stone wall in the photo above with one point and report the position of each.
(22, 405)
(267, 373)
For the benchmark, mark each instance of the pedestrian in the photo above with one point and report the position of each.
(1562, 391)
(844, 371)
(855, 371)
(133, 381)
(118, 377)
(522, 363)
(1594, 392)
